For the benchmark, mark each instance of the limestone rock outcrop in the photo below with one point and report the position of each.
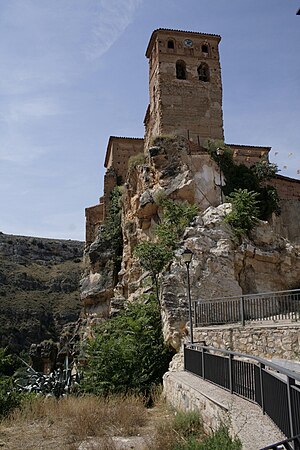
(222, 266)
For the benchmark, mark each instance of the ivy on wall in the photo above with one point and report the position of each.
(253, 179)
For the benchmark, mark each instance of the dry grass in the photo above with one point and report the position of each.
(72, 420)
(94, 423)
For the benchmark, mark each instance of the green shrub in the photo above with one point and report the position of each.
(244, 214)
(9, 398)
(188, 424)
(127, 353)
(220, 440)
(239, 176)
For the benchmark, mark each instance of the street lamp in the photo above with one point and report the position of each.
(219, 153)
(187, 258)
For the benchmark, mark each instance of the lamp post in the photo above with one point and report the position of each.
(219, 153)
(187, 258)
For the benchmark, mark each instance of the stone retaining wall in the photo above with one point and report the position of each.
(185, 397)
(187, 392)
(266, 341)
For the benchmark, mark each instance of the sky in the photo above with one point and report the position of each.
(73, 72)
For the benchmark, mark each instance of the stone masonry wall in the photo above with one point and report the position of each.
(287, 188)
(267, 341)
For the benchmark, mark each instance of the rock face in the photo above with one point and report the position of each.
(39, 280)
(170, 170)
(222, 266)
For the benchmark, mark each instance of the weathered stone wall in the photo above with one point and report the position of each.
(119, 150)
(185, 398)
(188, 107)
(244, 419)
(265, 341)
(288, 223)
(93, 218)
(287, 188)
(249, 154)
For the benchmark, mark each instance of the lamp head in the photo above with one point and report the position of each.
(187, 256)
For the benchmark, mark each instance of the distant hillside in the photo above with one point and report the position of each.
(39, 281)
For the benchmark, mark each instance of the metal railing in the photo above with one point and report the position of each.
(272, 306)
(275, 389)
(288, 444)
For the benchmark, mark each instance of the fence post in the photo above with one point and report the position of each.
(242, 315)
(289, 384)
(230, 373)
(203, 368)
(261, 367)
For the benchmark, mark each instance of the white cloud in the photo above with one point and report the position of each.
(46, 43)
(110, 21)
(32, 109)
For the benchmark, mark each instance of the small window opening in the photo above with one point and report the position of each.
(203, 72)
(180, 70)
(170, 43)
(204, 48)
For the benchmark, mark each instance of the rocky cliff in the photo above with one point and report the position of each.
(225, 266)
(39, 280)
(222, 264)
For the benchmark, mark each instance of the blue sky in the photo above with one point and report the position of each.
(73, 72)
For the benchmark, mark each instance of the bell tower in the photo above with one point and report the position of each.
(185, 86)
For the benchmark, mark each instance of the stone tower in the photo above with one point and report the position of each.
(185, 85)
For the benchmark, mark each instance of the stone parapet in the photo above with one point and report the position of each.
(266, 341)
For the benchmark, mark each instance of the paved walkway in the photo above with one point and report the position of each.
(254, 429)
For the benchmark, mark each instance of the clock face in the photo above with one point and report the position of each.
(188, 42)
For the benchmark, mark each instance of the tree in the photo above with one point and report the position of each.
(127, 353)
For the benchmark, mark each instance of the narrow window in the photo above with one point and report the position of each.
(180, 70)
(203, 72)
(170, 43)
(204, 48)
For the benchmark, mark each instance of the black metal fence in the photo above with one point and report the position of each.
(288, 444)
(275, 389)
(281, 305)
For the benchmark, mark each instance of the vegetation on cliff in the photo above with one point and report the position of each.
(253, 179)
(127, 353)
(108, 247)
(154, 255)
(246, 188)
(245, 211)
